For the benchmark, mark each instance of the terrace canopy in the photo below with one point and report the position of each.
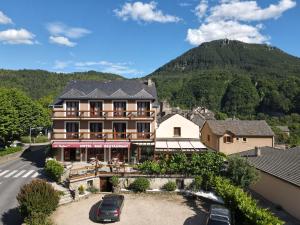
(178, 145)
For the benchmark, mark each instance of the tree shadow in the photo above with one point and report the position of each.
(200, 207)
(36, 155)
(12, 217)
(93, 211)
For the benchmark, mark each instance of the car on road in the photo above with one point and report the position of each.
(219, 215)
(110, 208)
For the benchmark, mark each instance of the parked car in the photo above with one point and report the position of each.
(110, 208)
(219, 215)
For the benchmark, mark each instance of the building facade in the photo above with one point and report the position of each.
(233, 136)
(176, 134)
(104, 120)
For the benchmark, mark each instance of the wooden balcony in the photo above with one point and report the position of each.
(103, 136)
(104, 115)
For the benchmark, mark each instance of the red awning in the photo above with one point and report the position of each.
(61, 144)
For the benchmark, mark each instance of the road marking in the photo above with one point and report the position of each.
(28, 173)
(35, 175)
(18, 174)
(4, 172)
(11, 173)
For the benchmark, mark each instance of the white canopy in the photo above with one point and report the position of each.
(178, 145)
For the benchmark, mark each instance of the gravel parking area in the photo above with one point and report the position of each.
(139, 209)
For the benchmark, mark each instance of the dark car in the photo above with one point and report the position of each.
(110, 208)
(219, 215)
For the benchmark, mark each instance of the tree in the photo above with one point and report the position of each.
(241, 97)
(240, 172)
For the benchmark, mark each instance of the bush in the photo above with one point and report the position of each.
(37, 197)
(25, 139)
(54, 170)
(140, 184)
(37, 139)
(10, 150)
(170, 186)
(92, 189)
(114, 180)
(81, 190)
(243, 204)
(196, 184)
(38, 219)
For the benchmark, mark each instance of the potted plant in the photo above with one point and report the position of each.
(115, 181)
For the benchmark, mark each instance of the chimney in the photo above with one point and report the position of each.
(149, 82)
(257, 151)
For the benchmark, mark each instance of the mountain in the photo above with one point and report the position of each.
(40, 83)
(233, 77)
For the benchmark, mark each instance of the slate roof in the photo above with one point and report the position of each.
(284, 164)
(198, 120)
(240, 127)
(116, 89)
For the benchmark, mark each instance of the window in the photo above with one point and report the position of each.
(244, 139)
(72, 129)
(72, 108)
(143, 130)
(120, 109)
(95, 109)
(208, 138)
(143, 109)
(227, 139)
(237, 138)
(95, 130)
(177, 131)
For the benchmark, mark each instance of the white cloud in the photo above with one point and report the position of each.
(109, 67)
(61, 41)
(235, 19)
(14, 36)
(201, 9)
(60, 65)
(60, 29)
(248, 10)
(232, 30)
(4, 19)
(146, 12)
(184, 4)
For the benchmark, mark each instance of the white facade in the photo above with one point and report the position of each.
(187, 128)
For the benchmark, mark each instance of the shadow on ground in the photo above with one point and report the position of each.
(93, 211)
(12, 217)
(36, 155)
(199, 207)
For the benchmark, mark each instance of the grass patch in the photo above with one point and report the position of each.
(10, 150)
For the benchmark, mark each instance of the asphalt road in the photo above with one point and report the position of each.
(14, 174)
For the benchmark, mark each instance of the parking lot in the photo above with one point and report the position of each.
(139, 209)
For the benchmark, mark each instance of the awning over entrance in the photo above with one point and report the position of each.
(61, 144)
(178, 145)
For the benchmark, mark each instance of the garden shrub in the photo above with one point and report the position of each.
(196, 184)
(140, 184)
(38, 219)
(54, 170)
(243, 204)
(115, 181)
(81, 190)
(92, 189)
(37, 197)
(170, 186)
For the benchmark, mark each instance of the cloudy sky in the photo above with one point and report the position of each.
(133, 38)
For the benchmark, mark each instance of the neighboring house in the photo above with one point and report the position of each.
(233, 136)
(284, 129)
(177, 134)
(279, 176)
(107, 120)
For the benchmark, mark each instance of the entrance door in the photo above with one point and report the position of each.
(73, 155)
(105, 185)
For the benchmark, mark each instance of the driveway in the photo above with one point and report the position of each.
(139, 209)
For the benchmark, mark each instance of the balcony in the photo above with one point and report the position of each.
(103, 136)
(104, 115)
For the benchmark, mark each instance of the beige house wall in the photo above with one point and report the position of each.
(188, 128)
(213, 142)
(279, 192)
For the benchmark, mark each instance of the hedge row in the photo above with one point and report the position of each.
(242, 203)
(10, 150)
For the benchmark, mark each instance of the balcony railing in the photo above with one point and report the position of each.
(103, 135)
(105, 114)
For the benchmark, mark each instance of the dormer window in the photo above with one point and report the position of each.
(227, 139)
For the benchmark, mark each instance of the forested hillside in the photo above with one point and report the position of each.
(40, 83)
(232, 77)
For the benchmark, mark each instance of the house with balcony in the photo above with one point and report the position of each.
(104, 120)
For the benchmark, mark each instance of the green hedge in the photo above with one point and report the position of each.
(10, 150)
(170, 186)
(37, 139)
(243, 204)
(140, 184)
(54, 170)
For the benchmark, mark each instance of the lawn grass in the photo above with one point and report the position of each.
(10, 150)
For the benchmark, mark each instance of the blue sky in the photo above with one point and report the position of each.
(133, 38)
